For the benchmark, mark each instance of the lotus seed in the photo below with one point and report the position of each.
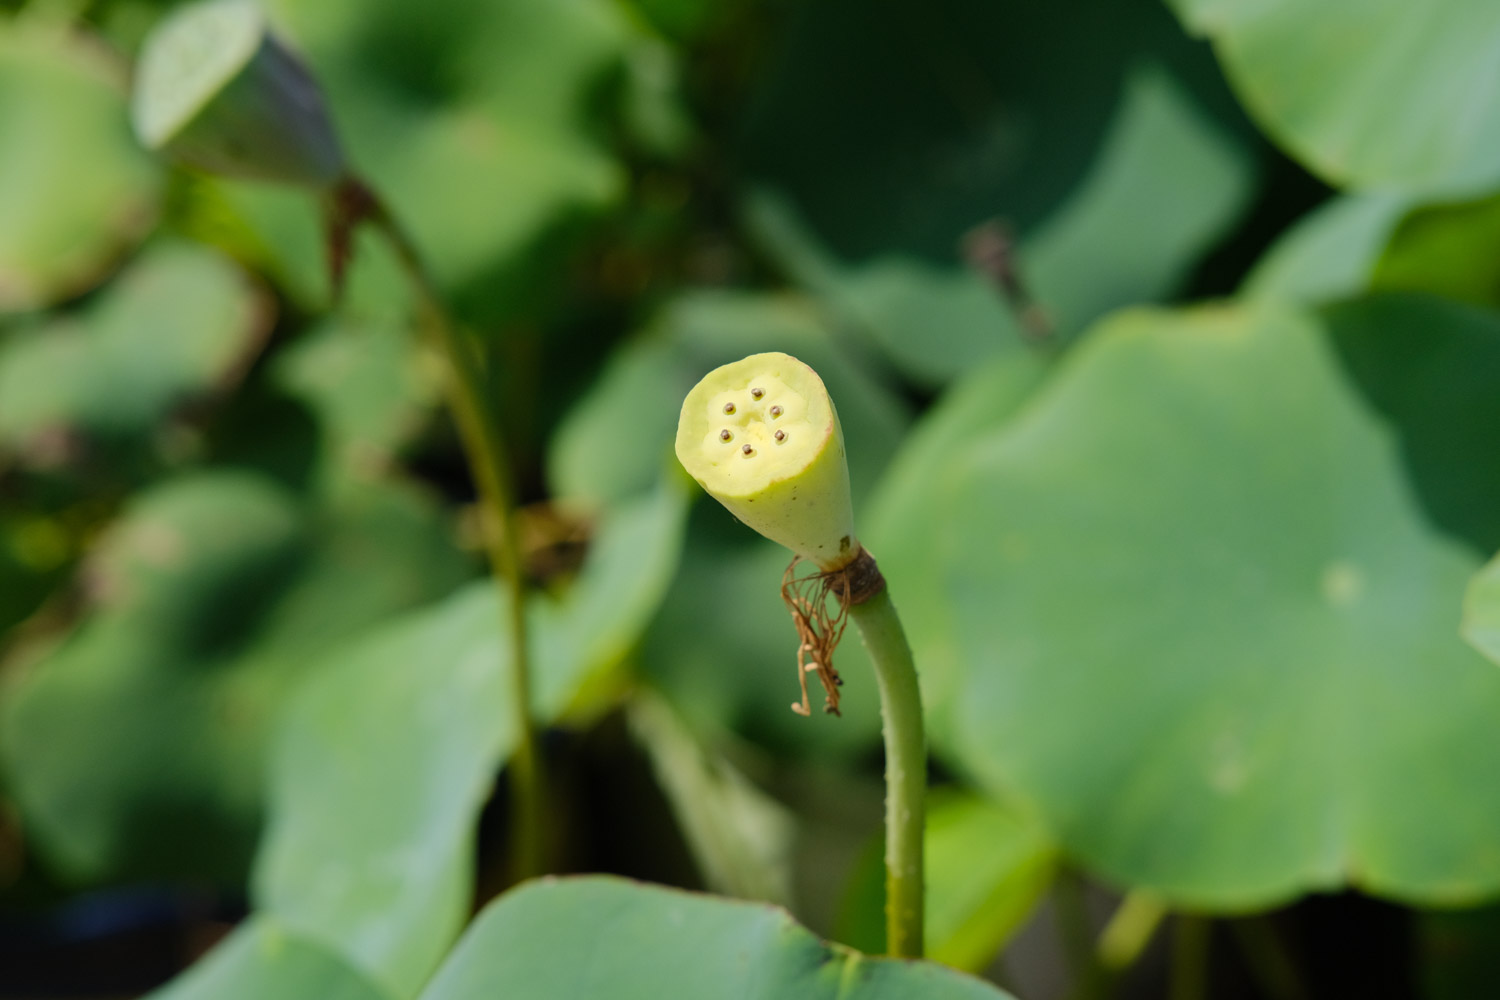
(757, 393)
(792, 487)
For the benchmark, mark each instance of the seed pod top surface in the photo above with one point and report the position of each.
(217, 89)
(761, 435)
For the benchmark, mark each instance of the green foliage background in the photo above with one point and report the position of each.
(1185, 492)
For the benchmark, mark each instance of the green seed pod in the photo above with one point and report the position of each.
(218, 91)
(761, 435)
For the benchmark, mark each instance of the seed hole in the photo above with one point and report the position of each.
(724, 435)
(728, 407)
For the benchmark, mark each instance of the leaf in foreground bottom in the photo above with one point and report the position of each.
(594, 937)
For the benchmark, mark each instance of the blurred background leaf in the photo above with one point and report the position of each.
(484, 122)
(179, 322)
(76, 191)
(1350, 87)
(135, 745)
(1165, 184)
(894, 130)
(1332, 252)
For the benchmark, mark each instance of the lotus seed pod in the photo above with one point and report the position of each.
(218, 91)
(761, 435)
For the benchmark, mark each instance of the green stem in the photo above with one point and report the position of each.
(1130, 930)
(1100, 970)
(905, 770)
(489, 463)
(1192, 941)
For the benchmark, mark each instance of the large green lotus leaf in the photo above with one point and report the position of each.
(76, 190)
(644, 382)
(1332, 252)
(262, 960)
(1205, 627)
(988, 866)
(135, 746)
(902, 508)
(1166, 184)
(387, 755)
(580, 937)
(180, 321)
(1482, 611)
(1368, 93)
(896, 133)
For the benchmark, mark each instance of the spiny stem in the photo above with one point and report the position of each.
(485, 450)
(905, 770)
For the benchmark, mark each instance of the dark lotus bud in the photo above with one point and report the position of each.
(217, 90)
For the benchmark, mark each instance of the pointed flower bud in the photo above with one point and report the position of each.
(218, 91)
(762, 437)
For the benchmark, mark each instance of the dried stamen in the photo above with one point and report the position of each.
(807, 598)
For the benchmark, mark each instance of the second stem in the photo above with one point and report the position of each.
(485, 451)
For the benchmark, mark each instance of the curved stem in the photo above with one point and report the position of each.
(1100, 970)
(489, 463)
(1130, 930)
(905, 770)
